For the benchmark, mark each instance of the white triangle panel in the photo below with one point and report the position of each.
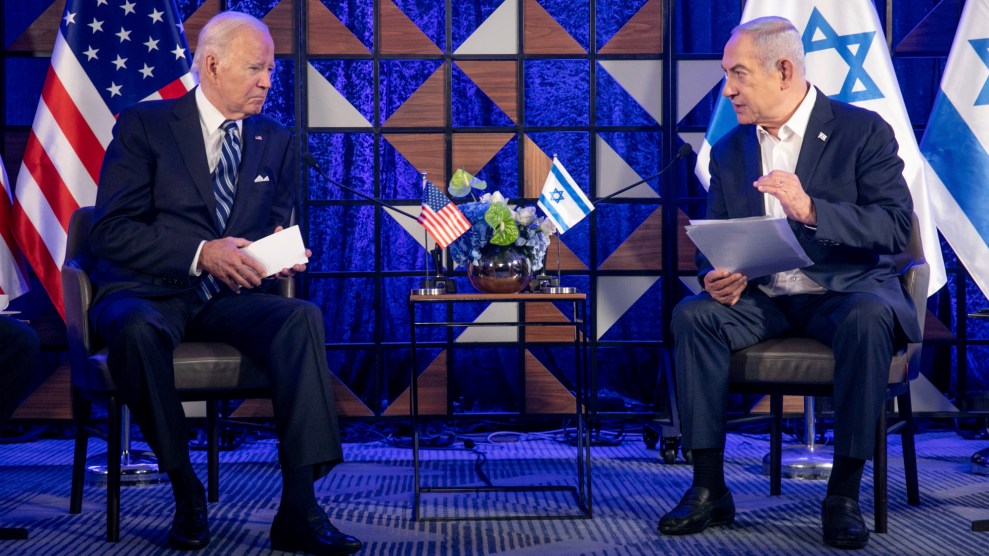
(613, 173)
(695, 79)
(642, 79)
(499, 34)
(496, 312)
(693, 138)
(329, 108)
(616, 295)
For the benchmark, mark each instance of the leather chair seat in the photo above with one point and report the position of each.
(796, 361)
(199, 366)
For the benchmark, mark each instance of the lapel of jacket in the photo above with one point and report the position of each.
(252, 143)
(819, 128)
(188, 134)
(752, 167)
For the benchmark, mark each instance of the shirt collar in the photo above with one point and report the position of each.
(797, 124)
(209, 115)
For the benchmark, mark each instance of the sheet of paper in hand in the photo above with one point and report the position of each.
(280, 250)
(755, 247)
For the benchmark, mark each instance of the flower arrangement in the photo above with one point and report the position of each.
(493, 222)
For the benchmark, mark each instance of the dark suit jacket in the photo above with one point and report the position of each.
(155, 201)
(850, 168)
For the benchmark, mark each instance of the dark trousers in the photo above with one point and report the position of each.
(284, 335)
(859, 327)
(19, 347)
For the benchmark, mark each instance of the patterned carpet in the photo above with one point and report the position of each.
(370, 497)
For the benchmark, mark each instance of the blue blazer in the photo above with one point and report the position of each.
(155, 202)
(849, 166)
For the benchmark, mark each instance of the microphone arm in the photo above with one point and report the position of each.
(684, 150)
(310, 161)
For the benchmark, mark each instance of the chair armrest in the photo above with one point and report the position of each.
(78, 295)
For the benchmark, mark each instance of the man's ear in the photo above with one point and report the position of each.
(786, 72)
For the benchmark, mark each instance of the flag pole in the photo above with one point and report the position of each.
(439, 284)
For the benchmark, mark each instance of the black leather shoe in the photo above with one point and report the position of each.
(698, 511)
(843, 525)
(313, 534)
(190, 526)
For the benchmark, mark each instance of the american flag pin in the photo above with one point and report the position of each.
(822, 136)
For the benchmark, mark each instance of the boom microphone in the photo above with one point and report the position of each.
(684, 150)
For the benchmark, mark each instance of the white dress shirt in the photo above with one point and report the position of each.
(782, 154)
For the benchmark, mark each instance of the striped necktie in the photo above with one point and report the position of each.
(224, 187)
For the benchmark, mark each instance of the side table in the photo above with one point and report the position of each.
(577, 303)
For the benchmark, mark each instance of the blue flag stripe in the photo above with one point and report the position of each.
(577, 199)
(963, 167)
(548, 207)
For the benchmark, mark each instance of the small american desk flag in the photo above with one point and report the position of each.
(441, 218)
(107, 56)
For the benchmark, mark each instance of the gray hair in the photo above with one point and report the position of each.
(775, 39)
(215, 37)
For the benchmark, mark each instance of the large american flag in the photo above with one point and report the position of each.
(441, 218)
(108, 55)
(12, 280)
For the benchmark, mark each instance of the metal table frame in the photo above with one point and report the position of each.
(582, 490)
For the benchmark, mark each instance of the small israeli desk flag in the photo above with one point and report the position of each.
(562, 200)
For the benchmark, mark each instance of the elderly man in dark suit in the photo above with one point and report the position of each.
(184, 186)
(833, 171)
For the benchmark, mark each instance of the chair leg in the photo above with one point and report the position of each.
(776, 445)
(212, 451)
(114, 411)
(879, 475)
(909, 448)
(81, 411)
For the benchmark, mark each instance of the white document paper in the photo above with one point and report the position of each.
(755, 247)
(280, 250)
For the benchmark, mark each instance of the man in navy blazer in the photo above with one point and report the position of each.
(833, 172)
(171, 268)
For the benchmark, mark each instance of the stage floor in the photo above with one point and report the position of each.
(370, 496)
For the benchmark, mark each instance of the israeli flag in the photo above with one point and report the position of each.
(563, 202)
(956, 145)
(847, 58)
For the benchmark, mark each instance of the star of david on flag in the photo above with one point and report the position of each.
(956, 144)
(441, 218)
(847, 58)
(563, 202)
(107, 56)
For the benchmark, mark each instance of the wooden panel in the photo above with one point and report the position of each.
(348, 404)
(400, 35)
(195, 23)
(281, 23)
(425, 151)
(40, 35)
(567, 260)
(643, 249)
(537, 166)
(933, 35)
(499, 80)
(425, 108)
(686, 250)
(327, 35)
(432, 392)
(543, 392)
(792, 405)
(51, 400)
(543, 35)
(547, 312)
(641, 34)
(472, 151)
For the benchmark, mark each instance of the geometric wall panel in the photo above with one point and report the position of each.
(641, 80)
(329, 108)
(545, 35)
(642, 34)
(328, 35)
(498, 80)
(400, 35)
(498, 34)
(614, 173)
(616, 295)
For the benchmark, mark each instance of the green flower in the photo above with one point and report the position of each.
(463, 182)
(504, 229)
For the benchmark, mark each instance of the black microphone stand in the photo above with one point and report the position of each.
(684, 150)
(427, 286)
